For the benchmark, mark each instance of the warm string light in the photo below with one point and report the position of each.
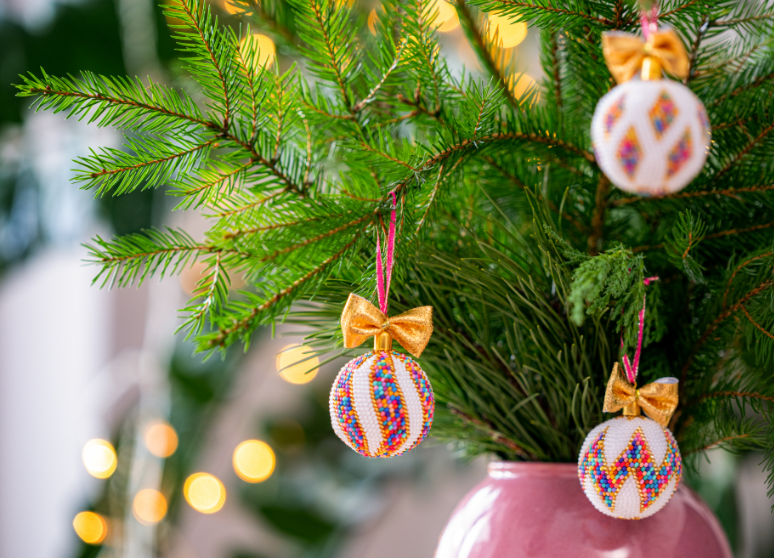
(446, 19)
(204, 493)
(265, 51)
(160, 438)
(149, 506)
(521, 85)
(90, 527)
(296, 364)
(253, 461)
(510, 32)
(99, 458)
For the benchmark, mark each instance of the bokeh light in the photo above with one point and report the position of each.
(99, 457)
(149, 506)
(254, 461)
(522, 84)
(447, 19)
(264, 48)
(204, 492)
(510, 31)
(90, 527)
(296, 365)
(160, 438)
(230, 6)
(373, 17)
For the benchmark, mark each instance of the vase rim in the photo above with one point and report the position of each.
(514, 469)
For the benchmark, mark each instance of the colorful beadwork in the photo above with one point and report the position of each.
(345, 406)
(425, 391)
(633, 148)
(389, 405)
(382, 404)
(663, 114)
(613, 114)
(680, 153)
(636, 460)
(629, 152)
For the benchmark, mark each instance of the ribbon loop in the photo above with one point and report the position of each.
(361, 320)
(658, 400)
(625, 53)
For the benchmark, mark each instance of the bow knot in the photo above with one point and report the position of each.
(658, 400)
(361, 320)
(625, 53)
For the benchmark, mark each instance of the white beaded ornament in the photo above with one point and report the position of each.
(629, 467)
(382, 404)
(651, 137)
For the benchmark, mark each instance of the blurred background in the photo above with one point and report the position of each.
(114, 440)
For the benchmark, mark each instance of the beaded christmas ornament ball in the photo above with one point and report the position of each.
(651, 137)
(382, 404)
(629, 467)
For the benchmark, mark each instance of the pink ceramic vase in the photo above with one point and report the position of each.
(539, 509)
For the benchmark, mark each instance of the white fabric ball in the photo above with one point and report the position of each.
(629, 467)
(382, 404)
(651, 137)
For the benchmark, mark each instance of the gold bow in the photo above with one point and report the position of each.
(361, 320)
(658, 400)
(625, 54)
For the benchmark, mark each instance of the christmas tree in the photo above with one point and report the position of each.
(533, 261)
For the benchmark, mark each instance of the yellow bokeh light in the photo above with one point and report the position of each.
(447, 19)
(254, 461)
(263, 49)
(296, 365)
(510, 32)
(230, 6)
(160, 438)
(99, 457)
(90, 527)
(521, 85)
(149, 506)
(372, 19)
(204, 492)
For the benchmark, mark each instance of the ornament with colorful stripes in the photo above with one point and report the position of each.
(382, 404)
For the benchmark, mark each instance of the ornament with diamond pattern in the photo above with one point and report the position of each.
(381, 403)
(630, 466)
(651, 135)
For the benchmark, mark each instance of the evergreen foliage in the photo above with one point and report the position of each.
(507, 226)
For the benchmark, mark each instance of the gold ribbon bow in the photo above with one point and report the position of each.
(361, 320)
(625, 54)
(658, 400)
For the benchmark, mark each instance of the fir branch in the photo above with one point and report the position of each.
(717, 443)
(722, 394)
(537, 8)
(717, 322)
(756, 324)
(598, 220)
(130, 259)
(224, 333)
(730, 192)
(737, 270)
(490, 52)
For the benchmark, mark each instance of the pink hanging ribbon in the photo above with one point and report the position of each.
(383, 277)
(649, 21)
(632, 369)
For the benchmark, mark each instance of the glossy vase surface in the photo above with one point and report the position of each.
(539, 510)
